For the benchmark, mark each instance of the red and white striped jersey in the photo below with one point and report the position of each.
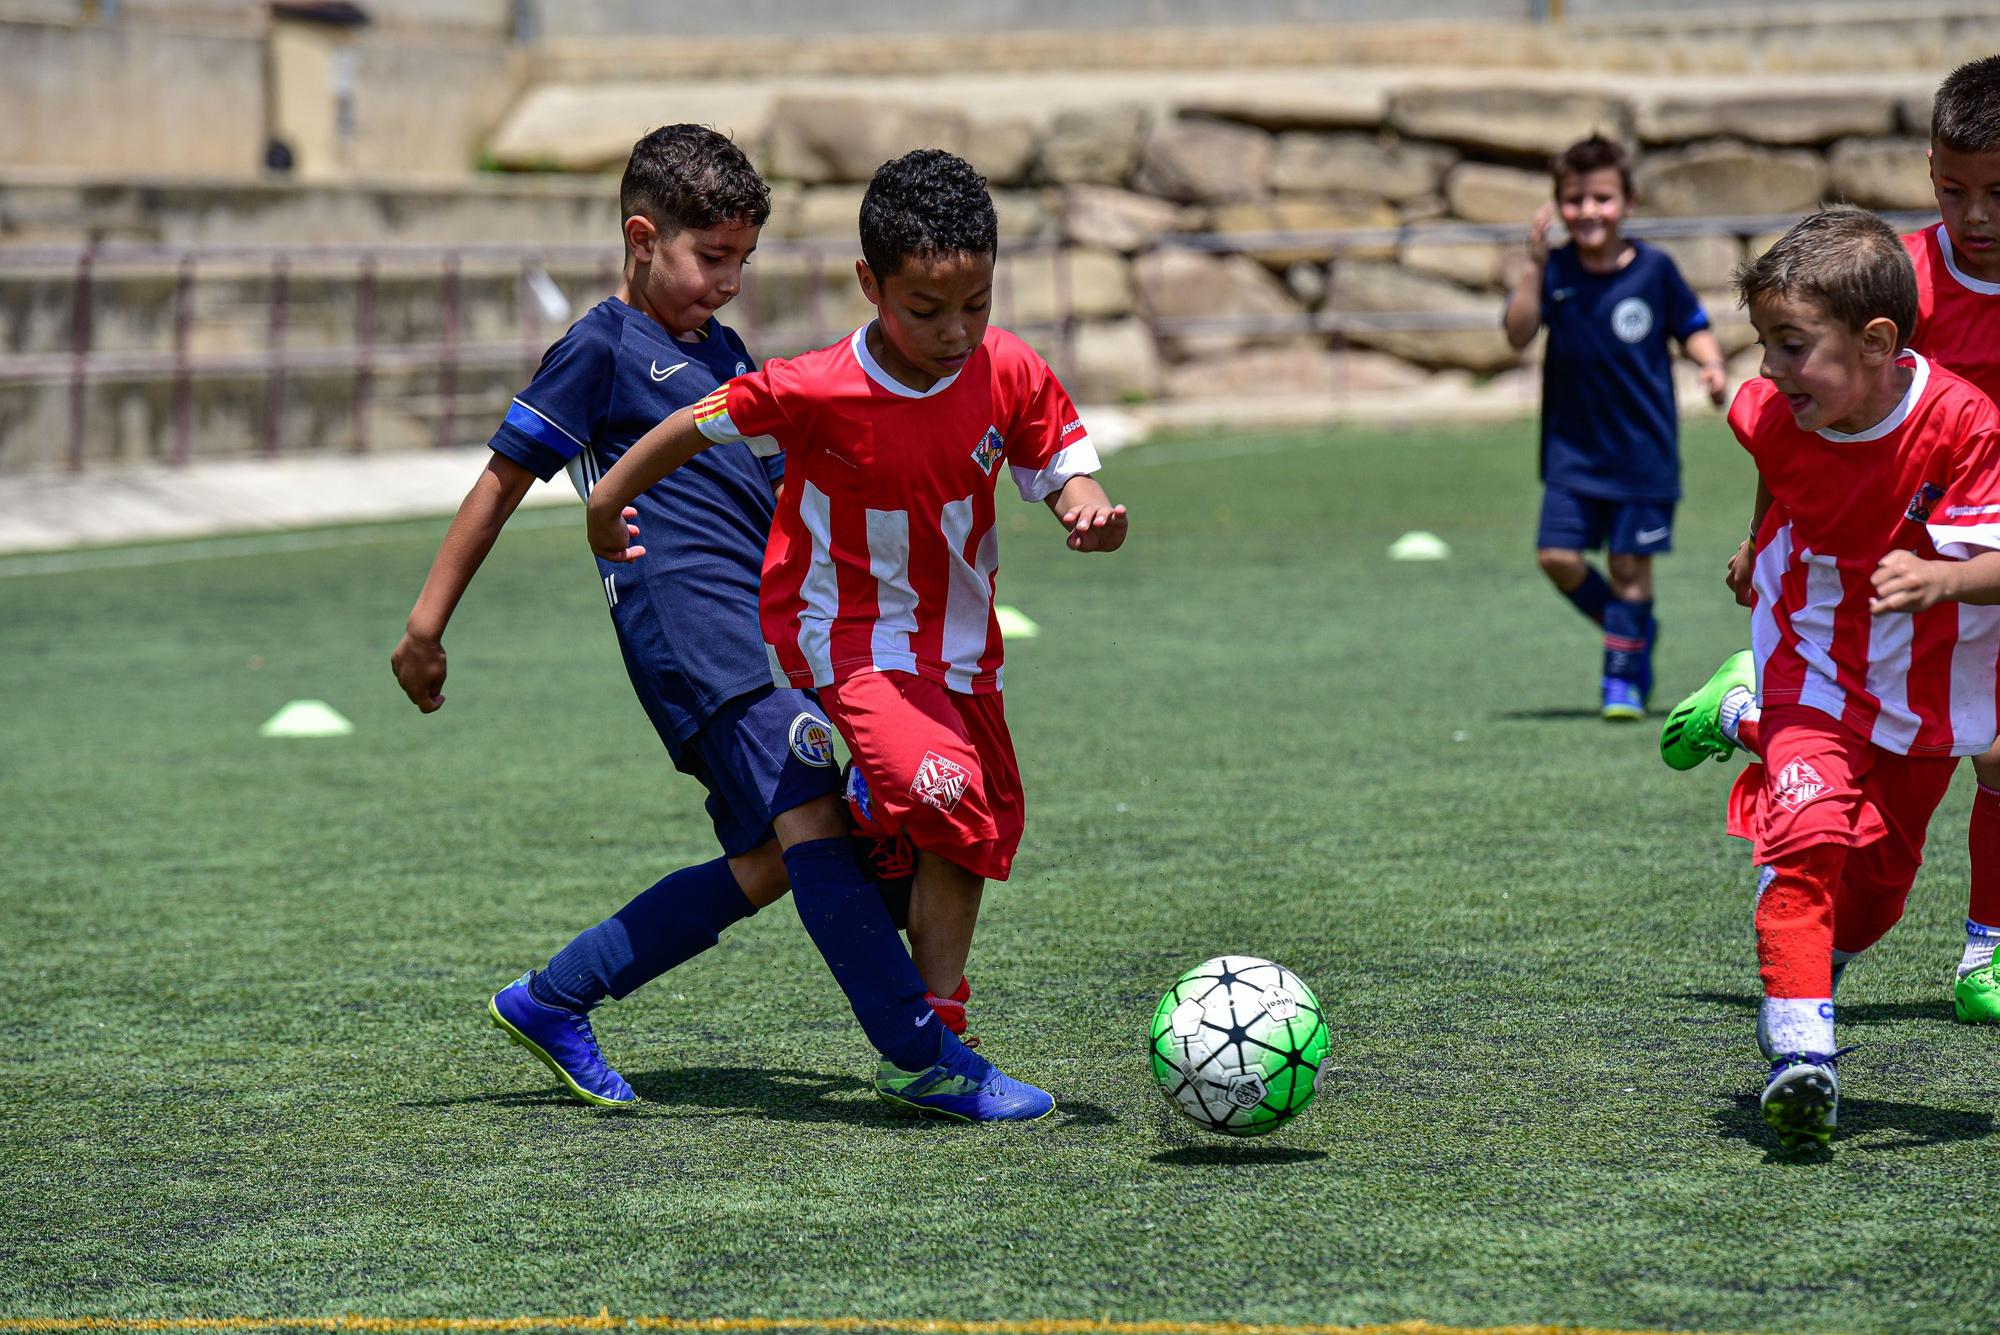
(1925, 479)
(1958, 316)
(883, 554)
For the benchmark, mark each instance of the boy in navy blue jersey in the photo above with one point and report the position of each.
(1610, 457)
(686, 619)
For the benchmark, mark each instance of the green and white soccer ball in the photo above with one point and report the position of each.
(1237, 1045)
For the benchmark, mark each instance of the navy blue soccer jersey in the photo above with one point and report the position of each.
(1609, 428)
(686, 611)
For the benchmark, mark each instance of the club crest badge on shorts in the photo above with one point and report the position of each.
(940, 782)
(812, 740)
(1798, 783)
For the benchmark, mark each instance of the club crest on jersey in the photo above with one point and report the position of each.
(939, 782)
(989, 449)
(1927, 496)
(1798, 783)
(812, 740)
(1632, 319)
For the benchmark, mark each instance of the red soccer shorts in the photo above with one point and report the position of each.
(1821, 783)
(939, 764)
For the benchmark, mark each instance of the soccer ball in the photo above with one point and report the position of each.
(1237, 1045)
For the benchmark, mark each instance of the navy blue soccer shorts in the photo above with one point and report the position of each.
(759, 755)
(1578, 523)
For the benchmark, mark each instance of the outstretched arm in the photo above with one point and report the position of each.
(418, 659)
(1094, 523)
(652, 456)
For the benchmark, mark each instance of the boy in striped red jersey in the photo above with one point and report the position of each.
(1876, 551)
(879, 575)
(1957, 264)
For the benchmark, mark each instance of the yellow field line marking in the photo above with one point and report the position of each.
(604, 1321)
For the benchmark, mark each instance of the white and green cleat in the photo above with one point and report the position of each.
(1693, 730)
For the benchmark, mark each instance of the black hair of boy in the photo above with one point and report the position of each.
(1965, 115)
(927, 202)
(688, 177)
(1594, 154)
(1843, 260)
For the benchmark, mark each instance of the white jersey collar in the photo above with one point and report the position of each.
(1965, 280)
(874, 371)
(1921, 374)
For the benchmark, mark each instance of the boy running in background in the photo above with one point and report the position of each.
(1610, 453)
(1878, 499)
(1957, 266)
(879, 578)
(687, 628)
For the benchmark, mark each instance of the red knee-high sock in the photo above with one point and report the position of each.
(1749, 735)
(1795, 922)
(1982, 839)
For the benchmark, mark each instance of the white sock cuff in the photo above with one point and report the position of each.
(1795, 1024)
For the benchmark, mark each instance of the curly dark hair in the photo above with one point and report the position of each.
(689, 176)
(927, 202)
(1843, 260)
(1594, 154)
(1965, 117)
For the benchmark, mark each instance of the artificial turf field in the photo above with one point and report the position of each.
(247, 1071)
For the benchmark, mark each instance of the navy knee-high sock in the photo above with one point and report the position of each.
(1628, 639)
(1590, 596)
(847, 921)
(667, 924)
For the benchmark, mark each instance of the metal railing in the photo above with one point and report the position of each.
(365, 356)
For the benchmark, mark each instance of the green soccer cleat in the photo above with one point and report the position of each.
(1693, 731)
(1975, 998)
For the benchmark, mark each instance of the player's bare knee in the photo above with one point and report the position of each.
(760, 874)
(1564, 567)
(824, 817)
(1631, 577)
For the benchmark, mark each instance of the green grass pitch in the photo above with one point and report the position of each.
(247, 1069)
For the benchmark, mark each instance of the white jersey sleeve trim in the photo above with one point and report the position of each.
(1963, 541)
(1073, 460)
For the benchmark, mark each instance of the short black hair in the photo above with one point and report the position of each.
(1965, 117)
(689, 176)
(1594, 154)
(1843, 260)
(927, 202)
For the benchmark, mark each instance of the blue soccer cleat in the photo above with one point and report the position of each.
(1801, 1101)
(963, 1086)
(1623, 702)
(562, 1041)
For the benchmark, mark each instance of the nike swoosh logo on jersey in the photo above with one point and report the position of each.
(1651, 534)
(658, 374)
(1562, 294)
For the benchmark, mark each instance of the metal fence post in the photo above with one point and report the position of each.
(183, 410)
(80, 337)
(274, 387)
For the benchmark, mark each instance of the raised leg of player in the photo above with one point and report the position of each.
(1713, 720)
(1976, 991)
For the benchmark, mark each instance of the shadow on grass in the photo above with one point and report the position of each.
(1862, 1012)
(1234, 1156)
(1867, 1126)
(791, 1096)
(1551, 714)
